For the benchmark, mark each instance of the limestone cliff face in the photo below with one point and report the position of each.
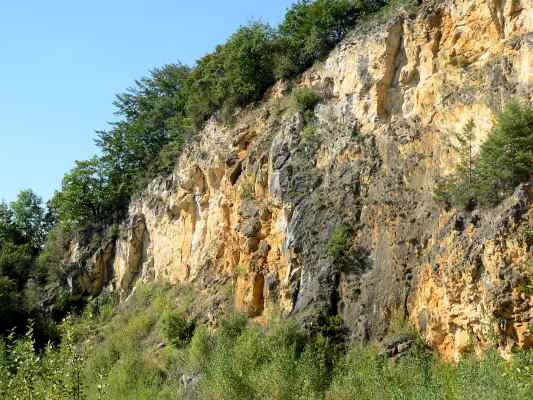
(255, 205)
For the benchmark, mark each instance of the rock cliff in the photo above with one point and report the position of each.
(256, 205)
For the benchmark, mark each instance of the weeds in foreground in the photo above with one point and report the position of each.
(129, 356)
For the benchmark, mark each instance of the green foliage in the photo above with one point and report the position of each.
(504, 161)
(178, 329)
(528, 234)
(233, 325)
(31, 218)
(266, 364)
(247, 190)
(305, 99)
(310, 30)
(200, 349)
(237, 73)
(309, 132)
(23, 226)
(338, 242)
(152, 116)
(526, 287)
(9, 304)
(121, 358)
(54, 374)
(506, 157)
(418, 376)
(87, 196)
(459, 189)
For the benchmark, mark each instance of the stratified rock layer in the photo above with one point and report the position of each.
(256, 204)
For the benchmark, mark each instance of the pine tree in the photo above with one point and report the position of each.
(505, 160)
(466, 150)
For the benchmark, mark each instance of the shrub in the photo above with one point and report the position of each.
(526, 287)
(309, 132)
(118, 360)
(178, 329)
(9, 304)
(233, 325)
(506, 157)
(247, 190)
(305, 99)
(200, 348)
(338, 242)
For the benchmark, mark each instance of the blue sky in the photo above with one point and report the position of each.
(62, 62)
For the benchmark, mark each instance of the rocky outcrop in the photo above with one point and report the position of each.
(255, 205)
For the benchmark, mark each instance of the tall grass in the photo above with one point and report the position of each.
(128, 355)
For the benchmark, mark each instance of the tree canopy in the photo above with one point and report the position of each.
(24, 225)
(504, 161)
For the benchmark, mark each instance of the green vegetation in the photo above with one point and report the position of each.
(504, 161)
(338, 242)
(237, 73)
(24, 225)
(178, 329)
(311, 29)
(305, 99)
(126, 356)
(526, 287)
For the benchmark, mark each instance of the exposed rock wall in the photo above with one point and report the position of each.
(256, 204)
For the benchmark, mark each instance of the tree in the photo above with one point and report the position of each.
(23, 227)
(505, 160)
(9, 304)
(29, 217)
(466, 149)
(506, 157)
(237, 73)
(310, 30)
(248, 63)
(8, 230)
(16, 262)
(460, 188)
(86, 196)
(152, 116)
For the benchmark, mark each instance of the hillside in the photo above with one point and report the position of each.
(320, 204)
(257, 204)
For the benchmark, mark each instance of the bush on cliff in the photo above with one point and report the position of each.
(504, 161)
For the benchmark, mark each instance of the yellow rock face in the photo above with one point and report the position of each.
(405, 85)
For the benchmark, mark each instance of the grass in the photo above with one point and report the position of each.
(127, 356)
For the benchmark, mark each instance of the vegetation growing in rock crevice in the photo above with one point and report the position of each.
(504, 161)
(338, 242)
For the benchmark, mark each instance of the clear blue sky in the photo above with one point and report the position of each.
(62, 62)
